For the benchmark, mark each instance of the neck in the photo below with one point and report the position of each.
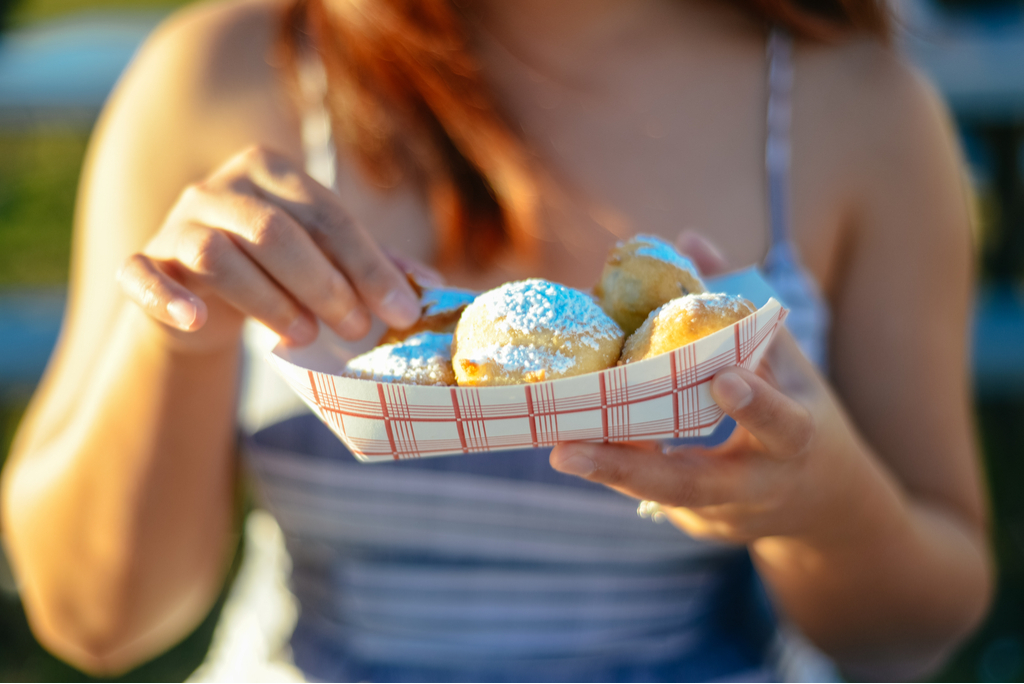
(566, 37)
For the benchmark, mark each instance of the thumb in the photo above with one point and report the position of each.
(782, 424)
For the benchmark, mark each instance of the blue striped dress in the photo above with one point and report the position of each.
(494, 567)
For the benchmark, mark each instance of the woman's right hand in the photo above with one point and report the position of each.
(261, 238)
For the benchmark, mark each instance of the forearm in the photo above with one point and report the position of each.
(118, 517)
(888, 585)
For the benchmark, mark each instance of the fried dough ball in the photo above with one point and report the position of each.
(640, 275)
(422, 359)
(530, 331)
(440, 310)
(682, 321)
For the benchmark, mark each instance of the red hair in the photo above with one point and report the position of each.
(406, 96)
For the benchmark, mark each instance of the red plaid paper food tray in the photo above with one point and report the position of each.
(666, 397)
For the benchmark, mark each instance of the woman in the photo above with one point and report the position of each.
(855, 494)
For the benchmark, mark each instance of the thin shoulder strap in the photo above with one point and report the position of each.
(777, 143)
(317, 138)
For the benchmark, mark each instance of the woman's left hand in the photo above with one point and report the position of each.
(782, 471)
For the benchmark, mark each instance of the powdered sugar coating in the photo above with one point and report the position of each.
(682, 321)
(532, 330)
(529, 306)
(422, 359)
(444, 300)
(653, 247)
(693, 305)
(525, 359)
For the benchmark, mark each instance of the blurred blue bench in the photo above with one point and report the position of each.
(29, 324)
(63, 70)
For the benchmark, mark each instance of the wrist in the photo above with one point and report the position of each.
(850, 513)
(217, 338)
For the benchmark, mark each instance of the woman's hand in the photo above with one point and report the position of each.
(260, 238)
(782, 472)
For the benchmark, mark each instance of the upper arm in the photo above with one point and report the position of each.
(901, 304)
(196, 93)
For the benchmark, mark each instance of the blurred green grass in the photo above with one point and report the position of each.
(24, 12)
(39, 171)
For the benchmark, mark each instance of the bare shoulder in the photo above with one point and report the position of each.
(863, 67)
(865, 102)
(225, 46)
(876, 138)
(202, 88)
(208, 73)
(878, 131)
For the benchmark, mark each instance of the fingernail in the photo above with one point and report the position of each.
(183, 312)
(713, 250)
(686, 240)
(354, 325)
(430, 278)
(576, 464)
(424, 275)
(301, 331)
(731, 391)
(403, 308)
(691, 243)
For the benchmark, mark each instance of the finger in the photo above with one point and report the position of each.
(375, 277)
(420, 272)
(380, 284)
(784, 426)
(159, 295)
(213, 259)
(702, 252)
(699, 526)
(787, 367)
(688, 477)
(279, 245)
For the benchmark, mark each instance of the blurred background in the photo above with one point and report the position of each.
(60, 58)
